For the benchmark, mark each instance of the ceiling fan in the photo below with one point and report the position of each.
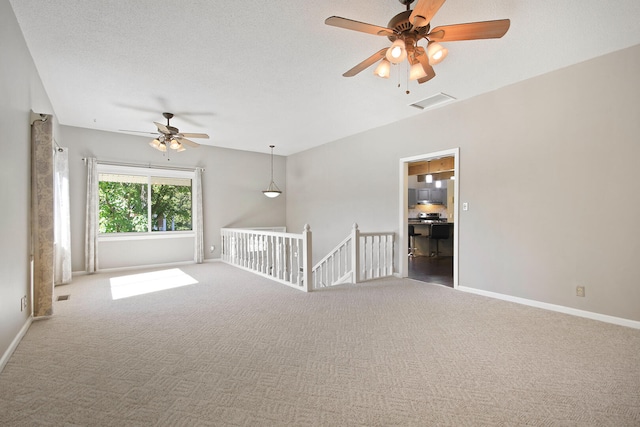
(406, 29)
(170, 137)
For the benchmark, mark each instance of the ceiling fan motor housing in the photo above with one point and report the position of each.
(401, 25)
(173, 130)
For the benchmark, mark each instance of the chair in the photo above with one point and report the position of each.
(412, 241)
(437, 232)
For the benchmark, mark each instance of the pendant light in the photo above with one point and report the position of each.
(272, 190)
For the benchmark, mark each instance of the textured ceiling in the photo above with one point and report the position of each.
(255, 73)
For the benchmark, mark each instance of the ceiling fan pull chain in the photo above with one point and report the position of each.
(407, 82)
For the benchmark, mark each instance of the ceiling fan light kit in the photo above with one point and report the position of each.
(383, 69)
(397, 52)
(436, 53)
(170, 137)
(407, 28)
(416, 72)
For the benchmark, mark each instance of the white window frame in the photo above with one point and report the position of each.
(148, 172)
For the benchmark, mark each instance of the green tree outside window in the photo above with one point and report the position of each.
(124, 203)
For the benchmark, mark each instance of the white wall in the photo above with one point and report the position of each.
(541, 163)
(20, 91)
(232, 194)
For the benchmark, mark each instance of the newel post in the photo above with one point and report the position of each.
(307, 258)
(355, 252)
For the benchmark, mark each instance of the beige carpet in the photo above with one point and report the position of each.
(236, 349)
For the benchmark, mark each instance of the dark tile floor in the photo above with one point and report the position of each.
(432, 269)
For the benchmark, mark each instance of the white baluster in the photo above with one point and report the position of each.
(272, 254)
(260, 253)
(378, 247)
(307, 258)
(369, 261)
(300, 266)
(355, 253)
(245, 242)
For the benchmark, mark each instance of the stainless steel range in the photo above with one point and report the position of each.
(430, 218)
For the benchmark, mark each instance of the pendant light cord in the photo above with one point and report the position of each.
(271, 146)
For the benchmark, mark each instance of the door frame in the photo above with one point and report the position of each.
(403, 209)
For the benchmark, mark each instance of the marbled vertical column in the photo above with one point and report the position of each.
(42, 216)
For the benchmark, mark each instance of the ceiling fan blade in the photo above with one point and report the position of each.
(162, 128)
(470, 31)
(189, 143)
(366, 63)
(350, 24)
(138, 131)
(195, 135)
(424, 11)
(422, 57)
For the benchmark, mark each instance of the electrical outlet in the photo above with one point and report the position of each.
(465, 206)
(23, 303)
(579, 291)
(212, 248)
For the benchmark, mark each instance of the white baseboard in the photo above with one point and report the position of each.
(140, 267)
(553, 307)
(14, 344)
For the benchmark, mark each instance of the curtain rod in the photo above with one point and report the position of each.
(148, 165)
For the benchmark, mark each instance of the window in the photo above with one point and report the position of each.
(143, 200)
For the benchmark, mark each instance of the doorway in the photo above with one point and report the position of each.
(435, 205)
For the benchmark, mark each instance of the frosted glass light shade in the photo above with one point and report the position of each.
(436, 53)
(416, 72)
(383, 69)
(397, 52)
(272, 191)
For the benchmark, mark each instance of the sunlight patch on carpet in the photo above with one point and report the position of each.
(146, 283)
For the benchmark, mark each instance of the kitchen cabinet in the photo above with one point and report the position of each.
(432, 195)
(424, 194)
(438, 195)
(412, 198)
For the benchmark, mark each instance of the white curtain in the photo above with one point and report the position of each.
(197, 217)
(91, 218)
(62, 220)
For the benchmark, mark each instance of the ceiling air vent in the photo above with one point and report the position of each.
(433, 101)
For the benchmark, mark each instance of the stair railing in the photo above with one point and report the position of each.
(286, 257)
(358, 258)
(283, 257)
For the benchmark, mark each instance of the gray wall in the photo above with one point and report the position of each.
(232, 194)
(548, 167)
(20, 91)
